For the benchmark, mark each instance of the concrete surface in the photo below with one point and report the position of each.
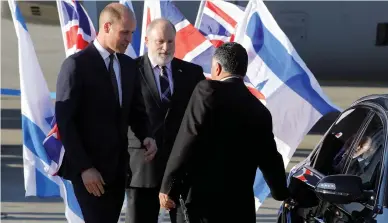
(49, 48)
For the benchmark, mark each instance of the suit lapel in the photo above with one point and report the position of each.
(177, 77)
(99, 61)
(148, 75)
(100, 65)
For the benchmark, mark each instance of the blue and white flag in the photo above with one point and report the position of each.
(293, 95)
(37, 114)
(133, 49)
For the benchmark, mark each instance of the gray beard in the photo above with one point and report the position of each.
(162, 61)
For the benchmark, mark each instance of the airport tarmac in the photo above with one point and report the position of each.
(15, 207)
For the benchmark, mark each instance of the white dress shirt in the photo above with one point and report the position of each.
(116, 65)
(230, 77)
(157, 72)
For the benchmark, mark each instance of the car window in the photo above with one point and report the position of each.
(338, 140)
(365, 161)
(365, 158)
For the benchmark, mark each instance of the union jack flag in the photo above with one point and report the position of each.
(216, 23)
(216, 20)
(77, 28)
(190, 44)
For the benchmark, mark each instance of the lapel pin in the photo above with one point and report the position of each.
(179, 70)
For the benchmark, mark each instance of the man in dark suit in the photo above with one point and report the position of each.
(226, 134)
(98, 96)
(166, 84)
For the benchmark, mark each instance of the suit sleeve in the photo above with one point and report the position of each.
(191, 129)
(200, 76)
(138, 118)
(66, 108)
(271, 164)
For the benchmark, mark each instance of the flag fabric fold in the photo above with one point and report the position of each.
(217, 20)
(133, 48)
(293, 95)
(37, 113)
(77, 27)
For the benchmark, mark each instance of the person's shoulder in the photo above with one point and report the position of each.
(207, 87)
(188, 65)
(79, 58)
(125, 58)
(260, 110)
(139, 60)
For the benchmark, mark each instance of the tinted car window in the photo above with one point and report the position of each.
(364, 161)
(337, 143)
(366, 155)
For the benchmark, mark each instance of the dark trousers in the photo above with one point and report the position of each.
(144, 206)
(104, 209)
(216, 213)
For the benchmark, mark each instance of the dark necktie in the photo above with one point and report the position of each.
(113, 77)
(164, 85)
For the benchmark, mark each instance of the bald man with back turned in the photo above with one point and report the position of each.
(98, 97)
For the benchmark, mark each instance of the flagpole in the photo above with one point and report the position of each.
(60, 14)
(199, 14)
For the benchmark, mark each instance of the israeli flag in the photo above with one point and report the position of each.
(37, 114)
(293, 95)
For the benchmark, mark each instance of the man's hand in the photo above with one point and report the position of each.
(166, 202)
(93, 181)
(151, 148)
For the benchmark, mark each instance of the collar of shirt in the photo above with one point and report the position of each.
(103, 52)
(156, 70)
(154, 65)
(230, 77)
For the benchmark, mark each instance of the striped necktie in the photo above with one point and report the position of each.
(164, 85)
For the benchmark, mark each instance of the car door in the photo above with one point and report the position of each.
(364, 159)
(339, 139)
(326, 159)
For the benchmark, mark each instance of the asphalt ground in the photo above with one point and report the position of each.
(50, 51)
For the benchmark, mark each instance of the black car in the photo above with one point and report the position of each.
(345, 178)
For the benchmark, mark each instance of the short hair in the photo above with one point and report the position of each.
(233, 58)
(113, 12)
(155, 22)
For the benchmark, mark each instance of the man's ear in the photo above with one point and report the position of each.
(218, 68)
(107, 27)
(146, 41)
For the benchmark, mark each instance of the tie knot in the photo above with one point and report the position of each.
(112, 56)
(163, 70)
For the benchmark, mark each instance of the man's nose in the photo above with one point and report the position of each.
(165, 46)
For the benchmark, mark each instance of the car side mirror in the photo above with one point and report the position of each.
(340, 189)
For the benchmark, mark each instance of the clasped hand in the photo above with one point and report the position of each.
(150, 149)
(166, 202)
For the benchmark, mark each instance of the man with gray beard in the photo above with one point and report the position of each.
(166, 85)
